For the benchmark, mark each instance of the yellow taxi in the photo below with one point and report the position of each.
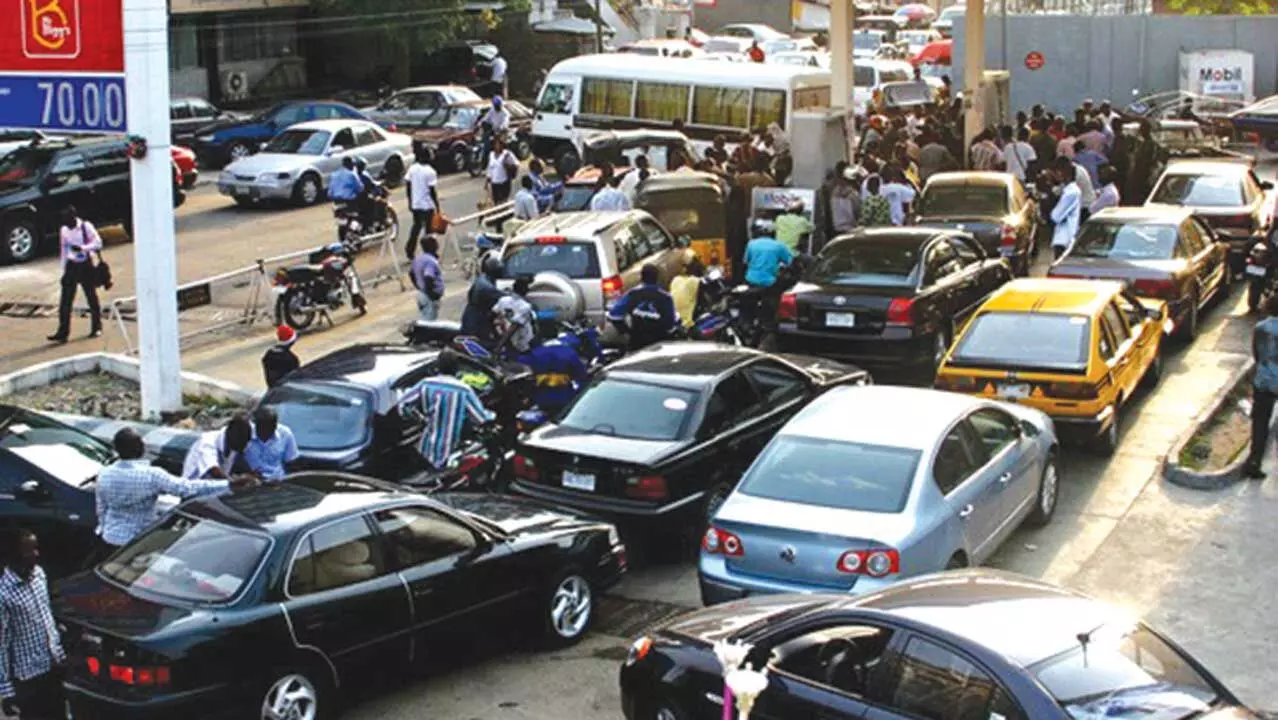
(1075, 349)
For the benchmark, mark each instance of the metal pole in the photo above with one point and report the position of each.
(146, 82)
(598, 26)
(973, 70)
(1002, 43)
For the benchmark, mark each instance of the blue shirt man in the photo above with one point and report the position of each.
(647, 312)
(272, 447)
(764, 258)
(1091, 162)
(559, 373)
(345, 185)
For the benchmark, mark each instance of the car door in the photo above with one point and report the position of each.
(934, 681)
(341, 145)
(663, 251)
(1125, 365)
(373, 147)
(945, 285)
(108, 174)
(736, 425)
(1146, 332)
(61, 516)
(828, 673)
(632, 253)
(1014, 459)
(341, 598)
(1203, 255)
(979, 275)
(452, 572)
(970, 495)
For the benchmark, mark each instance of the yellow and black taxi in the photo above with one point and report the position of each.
(1075, 349)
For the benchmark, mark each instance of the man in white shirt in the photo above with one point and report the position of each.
(1068, 208)
(899, 195)
(422, 198)
(497, 119)
(79, 241)
(515, 317)
(610, 197)
(214, 453)
(525, 201)
(630, 183)
(1085, 188)
(1018, 153)
(499, 75)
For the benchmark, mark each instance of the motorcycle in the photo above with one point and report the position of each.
(324, 283)
(1260, 273)
(484, 244)
(478, 464)
(477, 159)
(360, 232)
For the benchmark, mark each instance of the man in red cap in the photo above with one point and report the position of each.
(280, 360)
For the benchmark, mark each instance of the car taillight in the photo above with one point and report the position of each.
(94, 666)
(1235, 221)
(875, 563)
(956, 383)
(1072, 390)
(722, 542)
(639, 650)
(1008, 236)
(392, 127)
(647, 487)
(140, 676)
(524, 468)
(789, 307)
(551, 240)
(1164, 289)
(612, 288)
(900, 312)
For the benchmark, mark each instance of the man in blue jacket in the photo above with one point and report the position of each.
(647, 313)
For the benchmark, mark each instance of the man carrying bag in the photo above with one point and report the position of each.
(79, 242)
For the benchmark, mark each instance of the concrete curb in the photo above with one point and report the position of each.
(122, 366)
(1173, 472)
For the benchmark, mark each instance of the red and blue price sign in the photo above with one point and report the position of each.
(62, 65)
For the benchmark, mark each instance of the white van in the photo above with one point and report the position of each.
(620, 92)
(870, 75)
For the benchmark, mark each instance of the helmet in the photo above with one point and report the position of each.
(493, 267)
(496, 101)
(360, 163)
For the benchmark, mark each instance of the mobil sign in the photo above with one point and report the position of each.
(62, 65)
(1219, 73)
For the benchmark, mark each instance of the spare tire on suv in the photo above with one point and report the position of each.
(556, 292)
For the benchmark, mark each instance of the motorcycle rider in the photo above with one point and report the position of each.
(370, 211)
(558, 372)
(647, 312)
(345, 187)
(495, 122)
(515, 318)
(481, 299)
(765, 256)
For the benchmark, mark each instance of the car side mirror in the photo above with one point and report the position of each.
(1027, 429)
(683, 241)
(335, 150)
(51, 182)
(482, 546)
(32, 490)
(1266, 185)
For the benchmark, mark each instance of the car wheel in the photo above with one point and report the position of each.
(523, 149)
(667, 710)
(21, 240)
(1154, 372)
(460, 160)
(1048, 493)
(307, 191)
(568, 609)
(1107, 442)
(294, 695)
(238, 151)
(1189, 330)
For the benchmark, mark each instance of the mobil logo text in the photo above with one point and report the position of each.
(1209, 74)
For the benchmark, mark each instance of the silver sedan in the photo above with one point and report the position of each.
(872, 484)
(297, 164)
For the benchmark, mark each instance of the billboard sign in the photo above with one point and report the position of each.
(62, 65)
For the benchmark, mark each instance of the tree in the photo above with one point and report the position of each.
(1221, 7)
(407, 28)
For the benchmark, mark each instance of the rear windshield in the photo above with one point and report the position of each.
(60, 451)
(908, 93)
(323, 416)
(1199, 190)
(574, 198)
(893, 74)
(188, 559)
(1026, 341)
(577, 260)
(651, 412)
(865, 262)
(1133, 241)
(960, 200)
(835, 474)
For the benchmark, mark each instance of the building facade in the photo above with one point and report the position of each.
(233, 51)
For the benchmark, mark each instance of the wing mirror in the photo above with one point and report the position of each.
(1028, 429)
(1266, 185)
(683, 241)
(33, 490)
(335, 150)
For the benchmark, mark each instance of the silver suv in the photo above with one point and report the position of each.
(585, 261)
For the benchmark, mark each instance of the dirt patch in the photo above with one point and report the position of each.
(111, 396)
(1225, 436)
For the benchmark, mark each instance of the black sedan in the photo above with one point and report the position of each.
(991, 206)
(1226, 195)
(664, 434)
(955, 646)
(263, 603)
(1160, 252)
(889, 298)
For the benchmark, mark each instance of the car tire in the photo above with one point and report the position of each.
(238, 151)
(567, 609)
(295, 693)
(458, 159)
(666, 709)
(307, 191)
(21, 240)
(567, 162)
(1106, 444)
(1154, 372)
(523, 149)
(1049, 488)
(1189, 331)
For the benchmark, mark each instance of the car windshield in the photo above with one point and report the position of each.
(461, 118)
(323, 416)
(574, 198)
(864, 261)
(577, 260)
(722, 45)
(1199, 190)
(952, 12)
(59, 451)
(963, 201)
(1126, 675)
(298, 142)
(23, 165)
(893, 74)
(189, 559)
(908, 93)
(652, 412)
(833, 473)
(1125, 241)
(865, 40)
(1025, 340)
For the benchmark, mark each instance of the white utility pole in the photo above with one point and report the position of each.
(146, 82)
(973, 71)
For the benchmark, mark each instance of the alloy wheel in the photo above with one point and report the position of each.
(239, 151)
(459, 160)
(21, 242)
(310, 191)
(292, 697)
(1051, 486)
(570, 607)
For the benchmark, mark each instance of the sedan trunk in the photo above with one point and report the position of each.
(854, 310)
(988, 232)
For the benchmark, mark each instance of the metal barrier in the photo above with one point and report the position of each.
(464, 259)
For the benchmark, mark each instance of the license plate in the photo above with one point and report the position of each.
(1015, 391)
(1256, 270)
(579, 481)
(842, 320)
(239, 190)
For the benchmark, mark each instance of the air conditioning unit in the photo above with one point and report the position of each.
(235, 85)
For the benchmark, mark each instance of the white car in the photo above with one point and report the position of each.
(916, 40)
(787, 45)
(867, 43)
(725, 45)
(296, 164)
(801, 58)
(758, 32)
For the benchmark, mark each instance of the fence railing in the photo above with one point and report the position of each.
(458, 248)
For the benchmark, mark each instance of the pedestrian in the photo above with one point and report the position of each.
(493, 125)
(1058, 130)
(423, 199)
(428, 278)
(1090, 160)
(876, 210)
(1044, 146)
(647, 312)
(79, 243)
(685, 290)
(445, 404)
(985, 154)
(765, 257)
(610, 197)
(279, 360)
(1108, 196)
(755, 52)
(1094, 139)
(633, 179)
(899, 194)
(1018, 153)
(792, 225)
(1065, 145)
(545, 190)
(272, 446)
(525, 201)
(32, 661)
(934, 157)
(1144, 155)
(1264, 386)
(1086, 190)
(1068, 208)
(498, 76)
(127, 489)
(503, 167)
(213, 454)
(718, 150)
(476, 319)
(845, 202)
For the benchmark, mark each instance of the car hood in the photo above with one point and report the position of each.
(514, 516)
(624, 450)
(271, 162)
(1114, 269)
(98, 606)
(722, 622)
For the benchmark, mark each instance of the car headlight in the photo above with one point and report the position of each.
(639, 650)
(205, 138)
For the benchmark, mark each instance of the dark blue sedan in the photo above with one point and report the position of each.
(224, 142)
(964, 645)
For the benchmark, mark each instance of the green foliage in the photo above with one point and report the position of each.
(403, 24)
(1221, 7)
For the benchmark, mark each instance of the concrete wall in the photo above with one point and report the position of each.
(770, 12)
(1110, 57)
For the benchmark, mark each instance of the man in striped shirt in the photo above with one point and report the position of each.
(445, 403)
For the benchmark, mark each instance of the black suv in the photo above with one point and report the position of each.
(38, 180)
